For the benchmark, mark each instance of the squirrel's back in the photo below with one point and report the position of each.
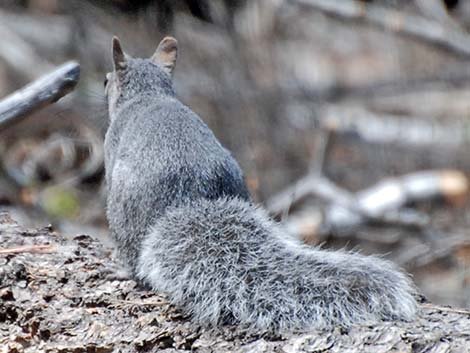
(161, 141)
(158, 153)
(183, 221)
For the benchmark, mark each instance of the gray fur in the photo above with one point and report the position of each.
(224, 262)
(158, 153)
(183, 221)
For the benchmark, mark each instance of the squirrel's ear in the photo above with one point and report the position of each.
(166, 53)
(119, 57)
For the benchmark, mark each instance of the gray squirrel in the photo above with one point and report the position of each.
(184, 223)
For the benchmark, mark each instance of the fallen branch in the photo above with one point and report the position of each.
(32, 249)
(381, 203)
(393, 193)
(44, 91)
(311, 185)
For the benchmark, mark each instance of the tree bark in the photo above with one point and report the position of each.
(55, 297)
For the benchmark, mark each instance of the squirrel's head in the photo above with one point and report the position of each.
(132, 77)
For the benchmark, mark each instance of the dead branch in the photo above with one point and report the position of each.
(44, 91)
(311, 185)
(32, 249)
(389, 194)
(393, 193)
(423, 254)
(418, 27)
(430, 306)
(381, 203)
(323, 142)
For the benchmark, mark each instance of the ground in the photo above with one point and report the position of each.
(56, 295)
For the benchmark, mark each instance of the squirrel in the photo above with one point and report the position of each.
(184, 222)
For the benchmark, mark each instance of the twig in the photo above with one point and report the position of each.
(33, 249)
(44, 91)
(424, 254)
(310, 185)
(444, 308)
(158, 302)
(415, 26)
(322, 144)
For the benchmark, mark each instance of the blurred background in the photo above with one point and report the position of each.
(351, 119)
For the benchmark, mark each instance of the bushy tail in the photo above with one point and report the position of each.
(224, 262)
